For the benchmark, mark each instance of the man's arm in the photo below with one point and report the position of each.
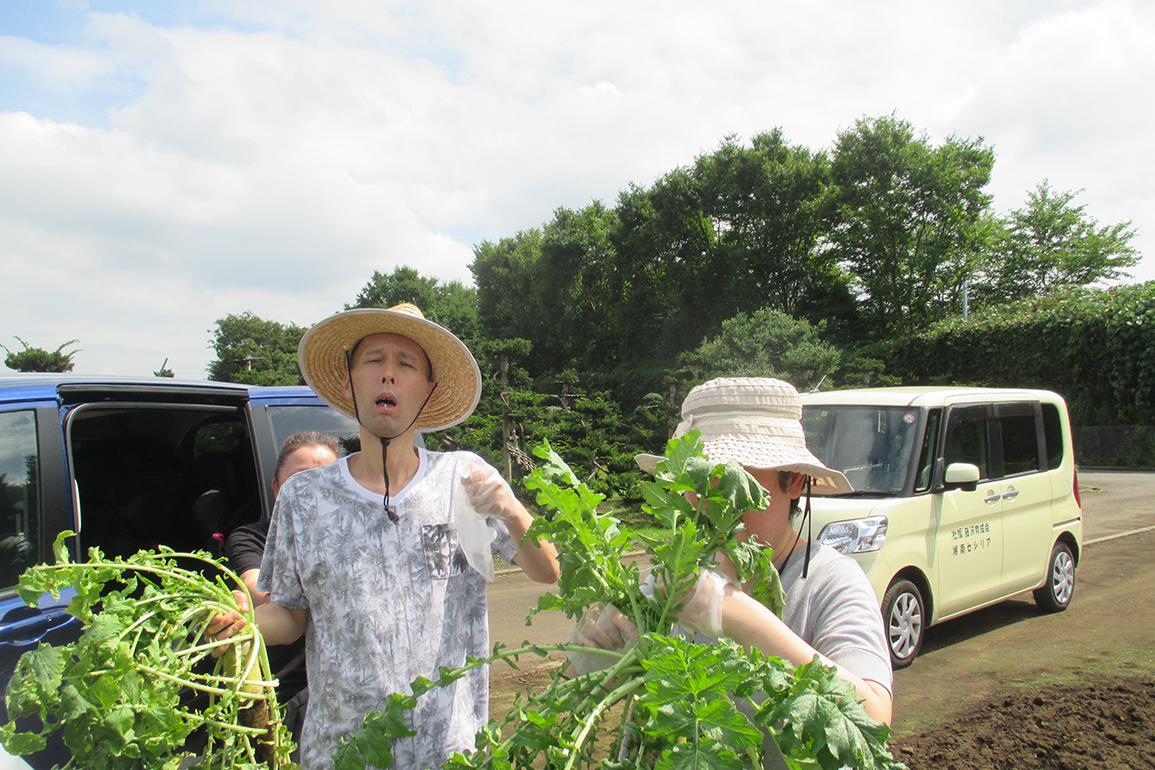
(249, 578)
(281, 625)
(491, 496)
(277, 624)
(537, 558)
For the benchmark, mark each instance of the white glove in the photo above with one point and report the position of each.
(489, 494)
(702, 603)
(602, 626)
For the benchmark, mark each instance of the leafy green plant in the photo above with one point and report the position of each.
(666, 702)
(131, 692)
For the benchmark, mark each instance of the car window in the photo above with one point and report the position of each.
(929, 446)
(19, 494)
(872, 445)
(150, 475)
(290, 419)
(1020, 444)
(967, 440)
(1053, 432)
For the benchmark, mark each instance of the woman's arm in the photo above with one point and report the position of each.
(752, 625)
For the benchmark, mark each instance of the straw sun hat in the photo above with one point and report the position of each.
(323, 350)
(756, 421)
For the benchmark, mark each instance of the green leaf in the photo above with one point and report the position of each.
(695, 756)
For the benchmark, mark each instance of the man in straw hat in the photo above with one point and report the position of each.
(369, 558)
(830, 606)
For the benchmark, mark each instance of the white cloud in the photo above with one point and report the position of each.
(269, 155)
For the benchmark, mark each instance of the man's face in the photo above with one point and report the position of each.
(302, 459)
(390, 382)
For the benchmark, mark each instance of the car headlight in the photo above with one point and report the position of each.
(856, 535)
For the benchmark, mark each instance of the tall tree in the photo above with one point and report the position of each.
(507, 276)
(766, 343)
(451, 304)
(668, 275)
(1051, 244)
(549, 287)
(906, 219)
(32, 359)
(577, 256)
(767, 202)
(253, 350)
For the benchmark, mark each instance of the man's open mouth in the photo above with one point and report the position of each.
(386, 401)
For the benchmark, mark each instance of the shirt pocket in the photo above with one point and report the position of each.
(443, 555)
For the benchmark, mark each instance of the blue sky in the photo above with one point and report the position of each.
(163, 164)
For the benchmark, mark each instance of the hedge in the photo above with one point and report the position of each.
(1095, 347)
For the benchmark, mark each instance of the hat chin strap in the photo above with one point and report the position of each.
(809, 537)
(384, 439)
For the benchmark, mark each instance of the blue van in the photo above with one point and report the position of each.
(131, 463)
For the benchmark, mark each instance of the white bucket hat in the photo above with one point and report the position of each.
(756, 421)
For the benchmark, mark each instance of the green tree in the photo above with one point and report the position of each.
(550, 287)
(906, 220)
(451, 304)
(668, 276)
(766, 343)
(506, 275)
(32, 359)
(255, 351)
(577, 256)
(768, 203)
(1051, 244)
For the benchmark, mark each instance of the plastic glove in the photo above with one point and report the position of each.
(702, 603)
(602, 626)
(489, 494)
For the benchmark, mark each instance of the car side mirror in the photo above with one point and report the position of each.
(964, 476)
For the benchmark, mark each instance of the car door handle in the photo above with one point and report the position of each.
(992, 498)
(1010, 494)
(29, 631)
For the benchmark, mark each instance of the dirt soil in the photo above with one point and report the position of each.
(1009, 688)
(1099, 725)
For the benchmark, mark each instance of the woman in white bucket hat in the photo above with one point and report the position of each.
(830, 607)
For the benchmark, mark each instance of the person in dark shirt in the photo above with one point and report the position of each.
(245, 548)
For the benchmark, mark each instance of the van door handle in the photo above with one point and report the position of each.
(1010, 494)
(992, 498)
(31, 630)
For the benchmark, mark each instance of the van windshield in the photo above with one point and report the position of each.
(873, 445)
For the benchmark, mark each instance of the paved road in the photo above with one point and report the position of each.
(1115, 503)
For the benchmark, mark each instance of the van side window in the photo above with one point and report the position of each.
(1020, 444)
(967, 440)
(929, 446)
(1053, 430)
(19, 494)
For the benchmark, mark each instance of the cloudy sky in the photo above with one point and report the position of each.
(166, 163)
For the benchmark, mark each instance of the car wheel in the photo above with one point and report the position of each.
(904, 613)
(1055, 594)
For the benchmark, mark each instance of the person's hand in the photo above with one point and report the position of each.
(226, 625)
(702, 603)
(602, 626)
(489, 494)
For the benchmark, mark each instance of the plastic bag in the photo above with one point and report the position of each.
(474, 534)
